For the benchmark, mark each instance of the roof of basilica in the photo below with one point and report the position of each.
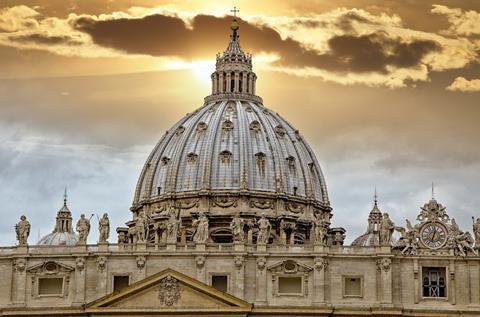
(233, 143)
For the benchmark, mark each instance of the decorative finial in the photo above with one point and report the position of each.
(65, 196)
(433, 191)
(235, 10)
(375, 196)
(234, 25)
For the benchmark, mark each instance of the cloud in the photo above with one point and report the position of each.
(465, 85)
(346, 46)
(347, 53)
(462, 22)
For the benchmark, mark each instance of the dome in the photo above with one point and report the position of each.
(232, 146)
(372, 236)
(232, 155)
(63, 232)
(59, 238)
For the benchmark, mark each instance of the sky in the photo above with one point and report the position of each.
(385, 92)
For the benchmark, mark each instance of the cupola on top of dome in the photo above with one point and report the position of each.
(233, 71)
(62, 233)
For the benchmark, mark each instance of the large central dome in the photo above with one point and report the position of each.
(232, 146)
(232, 156)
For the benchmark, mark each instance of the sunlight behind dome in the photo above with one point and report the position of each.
(202, 70)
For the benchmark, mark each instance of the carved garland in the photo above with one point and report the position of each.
(261, 204)
(225, 202)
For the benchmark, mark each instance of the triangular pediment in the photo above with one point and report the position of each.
(169, 291)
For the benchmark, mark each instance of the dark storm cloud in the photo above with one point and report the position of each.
(160, 35)
(44, 39)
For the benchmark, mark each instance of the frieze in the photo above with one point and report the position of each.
(261, 204)
(225, 202)
(294, 207)
(187, 204)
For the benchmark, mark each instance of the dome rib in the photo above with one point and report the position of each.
(182, 147)
(207, 183)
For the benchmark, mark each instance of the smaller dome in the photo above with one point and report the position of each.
(59, 238)
(372, 236)
(63, 232)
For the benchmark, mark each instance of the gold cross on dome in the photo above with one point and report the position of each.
(235, 10)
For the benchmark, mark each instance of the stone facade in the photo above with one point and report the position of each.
(231, 217)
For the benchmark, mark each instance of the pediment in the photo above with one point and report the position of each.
(50, 267)
(169, 291)
(289, 267)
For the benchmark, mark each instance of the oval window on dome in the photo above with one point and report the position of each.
(280, 131)
(225, 157)
(192, 158)
(201, 127)
(227, 126)
(180, 130)
(255, 126)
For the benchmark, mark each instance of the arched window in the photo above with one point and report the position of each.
(240, 83)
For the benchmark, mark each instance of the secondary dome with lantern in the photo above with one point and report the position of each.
(232, 155)
(62, 233)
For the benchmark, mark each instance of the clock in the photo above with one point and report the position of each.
(433, 235)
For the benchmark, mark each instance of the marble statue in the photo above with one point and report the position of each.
(237, 228)
(141, 228)
(201, 229)
(409, 239)
(320, 232)
(476, 232)
(83, 229)
(386, 230)
(22, 229)
(104, 228)
(264, 228)
(172, 226)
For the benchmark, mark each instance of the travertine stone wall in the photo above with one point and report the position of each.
(388, 279)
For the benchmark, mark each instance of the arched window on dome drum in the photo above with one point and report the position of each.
(240, 84)
(224, 87)
(232, 82)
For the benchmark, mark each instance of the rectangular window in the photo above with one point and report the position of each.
(120, 282)
(290, 285)
(220, 282)
(352, 286)
(52, 286)
(434, 282)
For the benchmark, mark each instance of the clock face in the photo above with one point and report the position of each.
(433, 235)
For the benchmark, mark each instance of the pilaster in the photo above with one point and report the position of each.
(261, 280)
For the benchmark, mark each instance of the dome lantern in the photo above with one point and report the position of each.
(63, 233)
(233, 75)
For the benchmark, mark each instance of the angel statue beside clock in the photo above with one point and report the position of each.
(435, 233)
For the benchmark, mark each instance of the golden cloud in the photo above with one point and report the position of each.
(464, 85)
(346, 46)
